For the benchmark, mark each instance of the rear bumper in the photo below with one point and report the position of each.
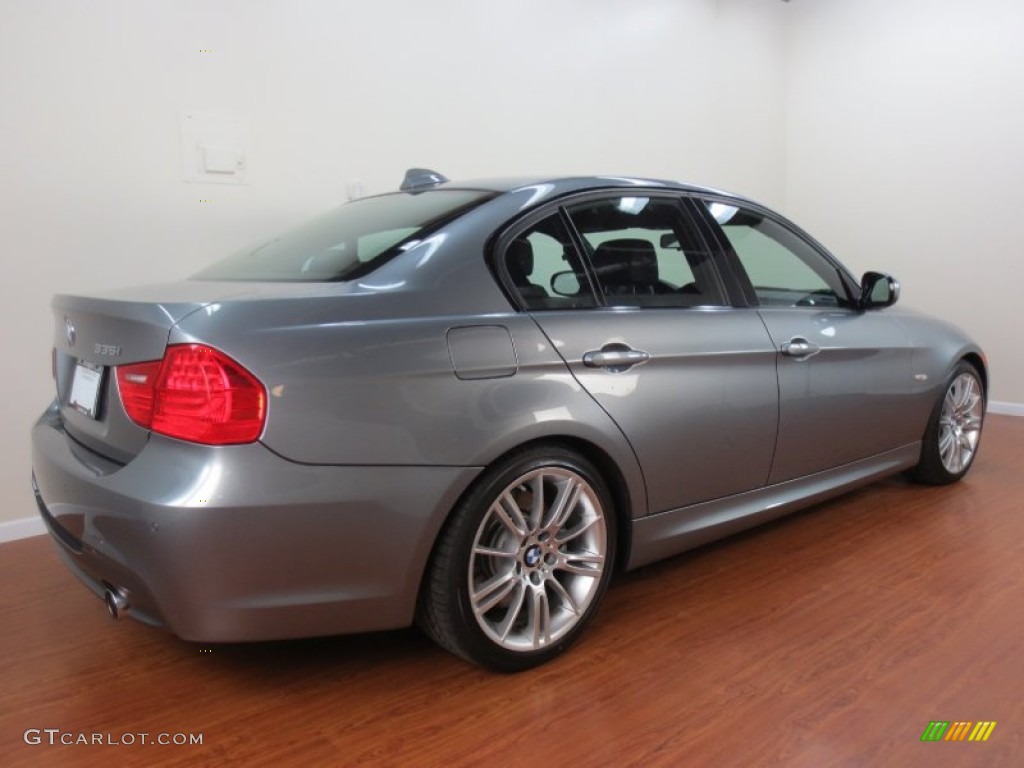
(234, 543)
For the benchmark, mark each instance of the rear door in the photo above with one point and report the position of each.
(646, 328)
(844, 374)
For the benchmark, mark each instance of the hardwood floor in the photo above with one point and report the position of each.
(830, 638)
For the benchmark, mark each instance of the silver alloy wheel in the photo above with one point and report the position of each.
(960, 423)
(537, 559)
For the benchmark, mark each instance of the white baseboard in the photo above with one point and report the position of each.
(23, 528)
(1007, 409)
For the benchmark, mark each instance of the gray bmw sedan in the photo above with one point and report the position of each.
(466, 405)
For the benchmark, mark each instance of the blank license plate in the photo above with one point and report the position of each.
(85, 388)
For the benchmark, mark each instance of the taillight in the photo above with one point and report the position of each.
(195, 393)
(137, 385)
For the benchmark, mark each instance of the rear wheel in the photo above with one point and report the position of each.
(523, 563)
(954, 429)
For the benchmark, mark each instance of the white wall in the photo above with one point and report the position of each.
(905, 152)
(91, 193)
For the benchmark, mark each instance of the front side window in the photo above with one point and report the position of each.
(645, 254)
(350, 241)
(784, 270)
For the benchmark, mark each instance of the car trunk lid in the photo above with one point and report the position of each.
(93, 335)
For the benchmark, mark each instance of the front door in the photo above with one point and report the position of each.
(841, 369)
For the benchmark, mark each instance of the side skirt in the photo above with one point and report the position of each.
(668, 533)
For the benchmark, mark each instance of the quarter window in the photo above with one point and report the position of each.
(546, 270)
(784, 269)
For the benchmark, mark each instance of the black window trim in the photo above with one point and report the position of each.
(737, 286)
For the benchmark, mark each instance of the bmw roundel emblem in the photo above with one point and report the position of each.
(69, 332)
(532, 556)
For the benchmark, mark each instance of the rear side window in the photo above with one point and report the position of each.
(348, 242)
(645, 254)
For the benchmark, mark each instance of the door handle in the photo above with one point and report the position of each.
(799, 347)
(615, 357)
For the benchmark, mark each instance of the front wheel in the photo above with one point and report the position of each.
(523, 563)
(954, 429)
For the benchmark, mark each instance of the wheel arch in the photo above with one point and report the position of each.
(617, 486)
(978, 361)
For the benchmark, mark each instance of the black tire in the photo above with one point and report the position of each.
(500, 546)
(953, 434)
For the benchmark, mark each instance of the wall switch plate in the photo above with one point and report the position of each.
(214, 148)
(220, 159)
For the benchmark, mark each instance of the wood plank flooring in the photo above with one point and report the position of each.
(830, 638)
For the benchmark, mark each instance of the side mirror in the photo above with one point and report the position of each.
(878, 290)
(566, 283)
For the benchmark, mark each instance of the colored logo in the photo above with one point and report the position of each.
(959, 730)
(532, 556)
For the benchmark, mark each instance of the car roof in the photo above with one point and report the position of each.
(563, 184)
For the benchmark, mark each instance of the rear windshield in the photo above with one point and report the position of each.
(348, 242)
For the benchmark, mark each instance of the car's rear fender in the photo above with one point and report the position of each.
(408, 390)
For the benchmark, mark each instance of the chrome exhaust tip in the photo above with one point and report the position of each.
(117, 602)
